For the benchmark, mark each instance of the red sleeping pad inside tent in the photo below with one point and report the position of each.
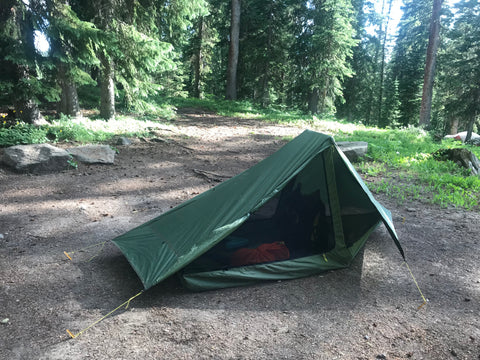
(264, 253)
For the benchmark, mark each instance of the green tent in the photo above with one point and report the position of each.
(301, 211)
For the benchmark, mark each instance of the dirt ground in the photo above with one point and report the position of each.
(367, 311)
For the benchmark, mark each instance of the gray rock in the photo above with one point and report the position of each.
(93, 154)
(124, 141)
(353, 150)
(36, 158)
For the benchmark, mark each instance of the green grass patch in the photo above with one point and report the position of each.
(403, 158)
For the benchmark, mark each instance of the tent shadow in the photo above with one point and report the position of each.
(339, 289)
(332, 289)
(111, 275)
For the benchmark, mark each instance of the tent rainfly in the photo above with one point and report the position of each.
(301, 211)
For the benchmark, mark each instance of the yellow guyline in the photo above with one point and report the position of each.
(102, 244)
(418, 287)
(127, 303)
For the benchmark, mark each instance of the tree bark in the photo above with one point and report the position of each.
(69, 104)
(433, 40)
(453, 126)
(470, 127)
(105, 16)
(231, 93)
(382, 64)
(198, 63)
(27, 111)
(265, 82)
(107, 89)
(313, 101)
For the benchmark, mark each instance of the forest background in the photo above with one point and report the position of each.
(328, 57)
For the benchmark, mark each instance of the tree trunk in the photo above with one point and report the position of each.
(433, 40)
(104, 20)
(68, 104)
(107, 90)
(198, 64)
(382, 64)
(231, 93)
(27, 111)
(313, 101)
(470, 128)
(265, 82)
(453, 126)
(322, 97)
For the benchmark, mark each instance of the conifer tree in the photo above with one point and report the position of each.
(20, 75)
(461, 67)
(409, 58)
(325, 42)
(72, 49)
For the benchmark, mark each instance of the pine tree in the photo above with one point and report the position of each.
(20, 61)
(461, 67)
(199, 54)
(324, 43)
(362, 89)
(72, 49)
(409, 57)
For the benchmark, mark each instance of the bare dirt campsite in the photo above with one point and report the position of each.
(367, 311)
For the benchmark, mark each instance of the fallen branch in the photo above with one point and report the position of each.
(210, 176)
(168, 141)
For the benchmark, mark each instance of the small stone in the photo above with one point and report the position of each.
(453, 352)
(366, 337)
(5, 321)
(124, 141)
(381, 356)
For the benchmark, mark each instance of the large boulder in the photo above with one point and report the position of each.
(353, 150)
(93, 154)
(36, 158)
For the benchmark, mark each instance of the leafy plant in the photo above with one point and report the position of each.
(22, 134)
(72, 163)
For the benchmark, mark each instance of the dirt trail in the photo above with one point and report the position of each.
(368, 311)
